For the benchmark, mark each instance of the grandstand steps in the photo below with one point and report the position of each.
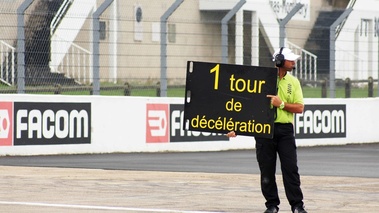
(318, 41)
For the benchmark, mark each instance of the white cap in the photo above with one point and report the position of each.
(288, 54)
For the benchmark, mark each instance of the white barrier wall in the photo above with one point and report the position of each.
(57, 124)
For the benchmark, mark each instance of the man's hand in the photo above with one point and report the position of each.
(231, 134)
(275, 100)
(290, 107)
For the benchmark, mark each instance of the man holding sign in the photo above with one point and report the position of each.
(226, 97)
(287, 101)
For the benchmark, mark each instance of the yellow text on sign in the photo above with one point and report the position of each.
(239, 84)
(233, 106)
(216, 70)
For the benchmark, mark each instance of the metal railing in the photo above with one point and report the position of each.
(340, 27)
(76, 64)
(67, 57)
(59, 15)
(306, 67)
(7, 63)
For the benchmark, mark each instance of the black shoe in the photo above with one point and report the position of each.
(271, 209)
(299, 209)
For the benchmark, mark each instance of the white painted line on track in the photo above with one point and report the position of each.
(99, 207)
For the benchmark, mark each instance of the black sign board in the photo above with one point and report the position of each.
(224, 97)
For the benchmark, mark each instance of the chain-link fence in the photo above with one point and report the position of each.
(141, 47)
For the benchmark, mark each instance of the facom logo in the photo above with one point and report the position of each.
(157, 123)
(178, 134)
(164, 124)
(49, 124)
(6, 113)
(321, 121)
(52, 123)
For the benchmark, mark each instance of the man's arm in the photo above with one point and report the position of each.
(294, 108)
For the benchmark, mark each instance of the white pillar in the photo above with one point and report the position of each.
(239, 38)
(254, 39)
(113, 29)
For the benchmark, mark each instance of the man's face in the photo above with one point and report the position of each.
(289, 65)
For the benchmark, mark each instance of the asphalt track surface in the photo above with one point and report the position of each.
(356, 160)
(334, 179)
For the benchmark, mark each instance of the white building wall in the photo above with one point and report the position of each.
(267, 18)
(357, 43)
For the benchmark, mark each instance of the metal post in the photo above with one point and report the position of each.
(96, 44)
(332, 51)
(113, 49)
(21, 46)
(347, 88)
(283, 23)
(370, 87)
(323, 88)
(164, 17)
(224, 30)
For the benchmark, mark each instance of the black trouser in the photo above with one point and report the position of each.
(284, 144)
